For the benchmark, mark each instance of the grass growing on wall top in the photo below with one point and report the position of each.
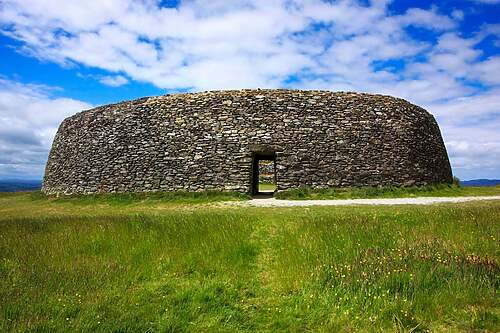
(438, 190)
(172, 267)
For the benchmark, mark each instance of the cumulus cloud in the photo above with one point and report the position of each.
(29, 118)
(218, 44)
(473, 142)
(457, 14)
(428, 18)
(113, 81)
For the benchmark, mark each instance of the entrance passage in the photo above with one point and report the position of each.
(264, 173)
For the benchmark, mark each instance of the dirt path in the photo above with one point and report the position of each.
(273, 202)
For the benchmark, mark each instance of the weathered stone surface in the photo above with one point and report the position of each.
(205, 141)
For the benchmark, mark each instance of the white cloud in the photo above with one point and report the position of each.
(427, 18)
(218, 44)
(113, 81)
(458, 110)
(342, 45)
(458, 14)
(29, 118)
(473, 159)
(473, 142)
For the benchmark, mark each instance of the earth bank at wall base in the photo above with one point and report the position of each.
(208, 140)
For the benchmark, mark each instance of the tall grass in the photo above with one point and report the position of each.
(146, 197)
(67, 267)
(404, 269)
(122, 274)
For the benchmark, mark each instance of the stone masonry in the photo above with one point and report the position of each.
(207, 141)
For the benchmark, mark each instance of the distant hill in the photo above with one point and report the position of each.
(16, 185)
(480, 182)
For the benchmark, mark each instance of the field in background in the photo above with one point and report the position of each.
(263, 186)
(118, 263)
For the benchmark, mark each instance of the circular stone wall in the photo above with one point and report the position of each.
(208, 140)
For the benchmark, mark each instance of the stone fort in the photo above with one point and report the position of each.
(215, 140)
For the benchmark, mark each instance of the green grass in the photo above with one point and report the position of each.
(22, 203)
(148, 197)
(168, 266)
(267, 187)
(439, 190)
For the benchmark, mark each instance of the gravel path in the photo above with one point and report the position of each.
(272, 202)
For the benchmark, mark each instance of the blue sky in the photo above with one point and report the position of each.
(61, 57)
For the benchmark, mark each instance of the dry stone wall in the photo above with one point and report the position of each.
(205, 141)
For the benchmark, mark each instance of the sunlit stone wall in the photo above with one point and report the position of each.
(205, 141)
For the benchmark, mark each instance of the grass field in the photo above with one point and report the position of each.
(141, 264)
(267, 187)
(439, 190)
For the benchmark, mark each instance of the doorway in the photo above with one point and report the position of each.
(263, 173)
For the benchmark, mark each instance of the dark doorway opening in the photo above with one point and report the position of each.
(263, 174)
